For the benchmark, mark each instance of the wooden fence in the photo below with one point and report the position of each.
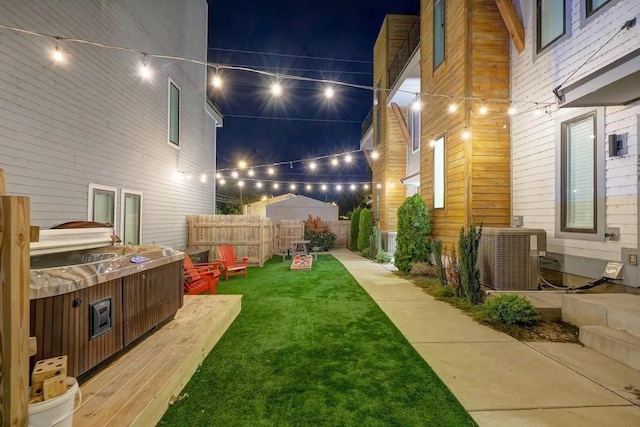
(287, 231)
(342, 230)
(250, 235)
(14, 307)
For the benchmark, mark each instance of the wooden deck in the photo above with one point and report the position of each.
(136, 388)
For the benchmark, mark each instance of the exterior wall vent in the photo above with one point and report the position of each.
(508, 257)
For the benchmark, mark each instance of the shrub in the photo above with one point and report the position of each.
(412, 242)
(375, 240)
(452, 272)
(366, 252)
(469, 272)
(318, 233)
(444, 292)
(423, 269)
(436, 247)
(355, 226)
(366, 225)
(507, 309)
(383, 257)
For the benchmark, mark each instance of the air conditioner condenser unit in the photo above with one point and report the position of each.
(508, 257)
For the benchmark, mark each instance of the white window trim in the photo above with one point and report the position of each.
(534, 30)
(600, 176)
(123, 193)
(92, 188)
(176, 146)
(415, 113)
(585, 20)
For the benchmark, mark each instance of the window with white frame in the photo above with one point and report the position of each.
(102, 204)
(174, 114)
(550, 22)
(579, 175)
(131, 217)
(438, 173)
(413, 123)
(438, 33)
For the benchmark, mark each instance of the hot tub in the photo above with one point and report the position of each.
(91, 303)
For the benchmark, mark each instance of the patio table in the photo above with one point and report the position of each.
(301, 247)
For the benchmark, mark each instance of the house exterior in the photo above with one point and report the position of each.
(441, 124)
(567, 178)
(86, 138)
(292, 206)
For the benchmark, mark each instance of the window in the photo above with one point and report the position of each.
(550, 22)
(438, 173)
(376, 102)
(580, 183)
(594, 5)
(438, 33)
(102, 204)
(131, 217)
(414, 128)
(174, 114)
(579, 175)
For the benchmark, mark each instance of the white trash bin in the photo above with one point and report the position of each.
(58, 411)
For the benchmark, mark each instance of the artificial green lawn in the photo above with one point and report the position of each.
(311, 348)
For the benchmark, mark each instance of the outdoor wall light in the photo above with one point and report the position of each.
(617, 146)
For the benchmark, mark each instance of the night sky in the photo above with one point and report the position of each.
(297, 30)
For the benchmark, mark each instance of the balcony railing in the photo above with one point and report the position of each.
(404, 53)
(367, 123)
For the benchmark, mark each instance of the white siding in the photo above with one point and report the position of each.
(534, 138)
(92, 119)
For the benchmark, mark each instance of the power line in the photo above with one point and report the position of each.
(254, 52)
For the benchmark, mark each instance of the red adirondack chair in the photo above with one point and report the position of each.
(199, 278)
(230, 263)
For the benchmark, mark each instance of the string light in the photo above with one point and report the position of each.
(511, 111)
(334, 161)
(308, 187)
(240, 184)
(339, 187)
(432, 143)
(416, 105)
(292, 186)
(276, 89)
(466, 134)
(483, 109)
(203, 178)
(145, 70)
(271, 171)
(352, 187)
(375, 155)
(222, 181)
(378, 186)
(251, 172)
(218, 175)
(188, 175)
(217, 81)
(57, 53)
(324, 187)
(313, 166)
(329, 92)
(234, 174)
(348, 158)
(259, 184)
(275, 185)
(366, 186)
(242, 164)
(453, 107)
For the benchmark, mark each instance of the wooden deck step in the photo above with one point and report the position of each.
(136, 388)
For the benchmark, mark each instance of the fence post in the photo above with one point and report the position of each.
(14, 309)
(261, 245)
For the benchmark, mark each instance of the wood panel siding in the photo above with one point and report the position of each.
(149, 298)
(476, 64)
(62, 327)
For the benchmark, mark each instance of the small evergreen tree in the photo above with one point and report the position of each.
(355, 227)
(469, 243)
(364, 231)
(436, 247)
(412, 242)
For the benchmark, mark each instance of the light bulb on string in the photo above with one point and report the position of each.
(217, 81)
(275, 185)
(324, 187)
(203, 178)
(145, 70)
(222, 181)
(416, 105)
(537, 111)
(251, 172)
(329, 92)
(57, 52)
(466, 134)
(292, 187)
(338, 187)
(242, 164)
(352, 187)
(375, 155)
(263, 198)
(348, 158)
(276, 89)
(378, 186)
(308, 187)
(334, 161)
(313, 166)
(366, 186)
(234, 174)
(432, 143)
(511, 111)
(483, 109)
(271, 171)
(240, 184)
(259, 184)
(453, 107)
(188, 175)
(218, 175)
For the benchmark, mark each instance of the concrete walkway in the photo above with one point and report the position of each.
(499, 380)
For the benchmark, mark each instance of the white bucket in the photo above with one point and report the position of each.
(58, 411)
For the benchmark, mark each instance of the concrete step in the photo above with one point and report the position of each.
(619, 311)
(619, 345)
